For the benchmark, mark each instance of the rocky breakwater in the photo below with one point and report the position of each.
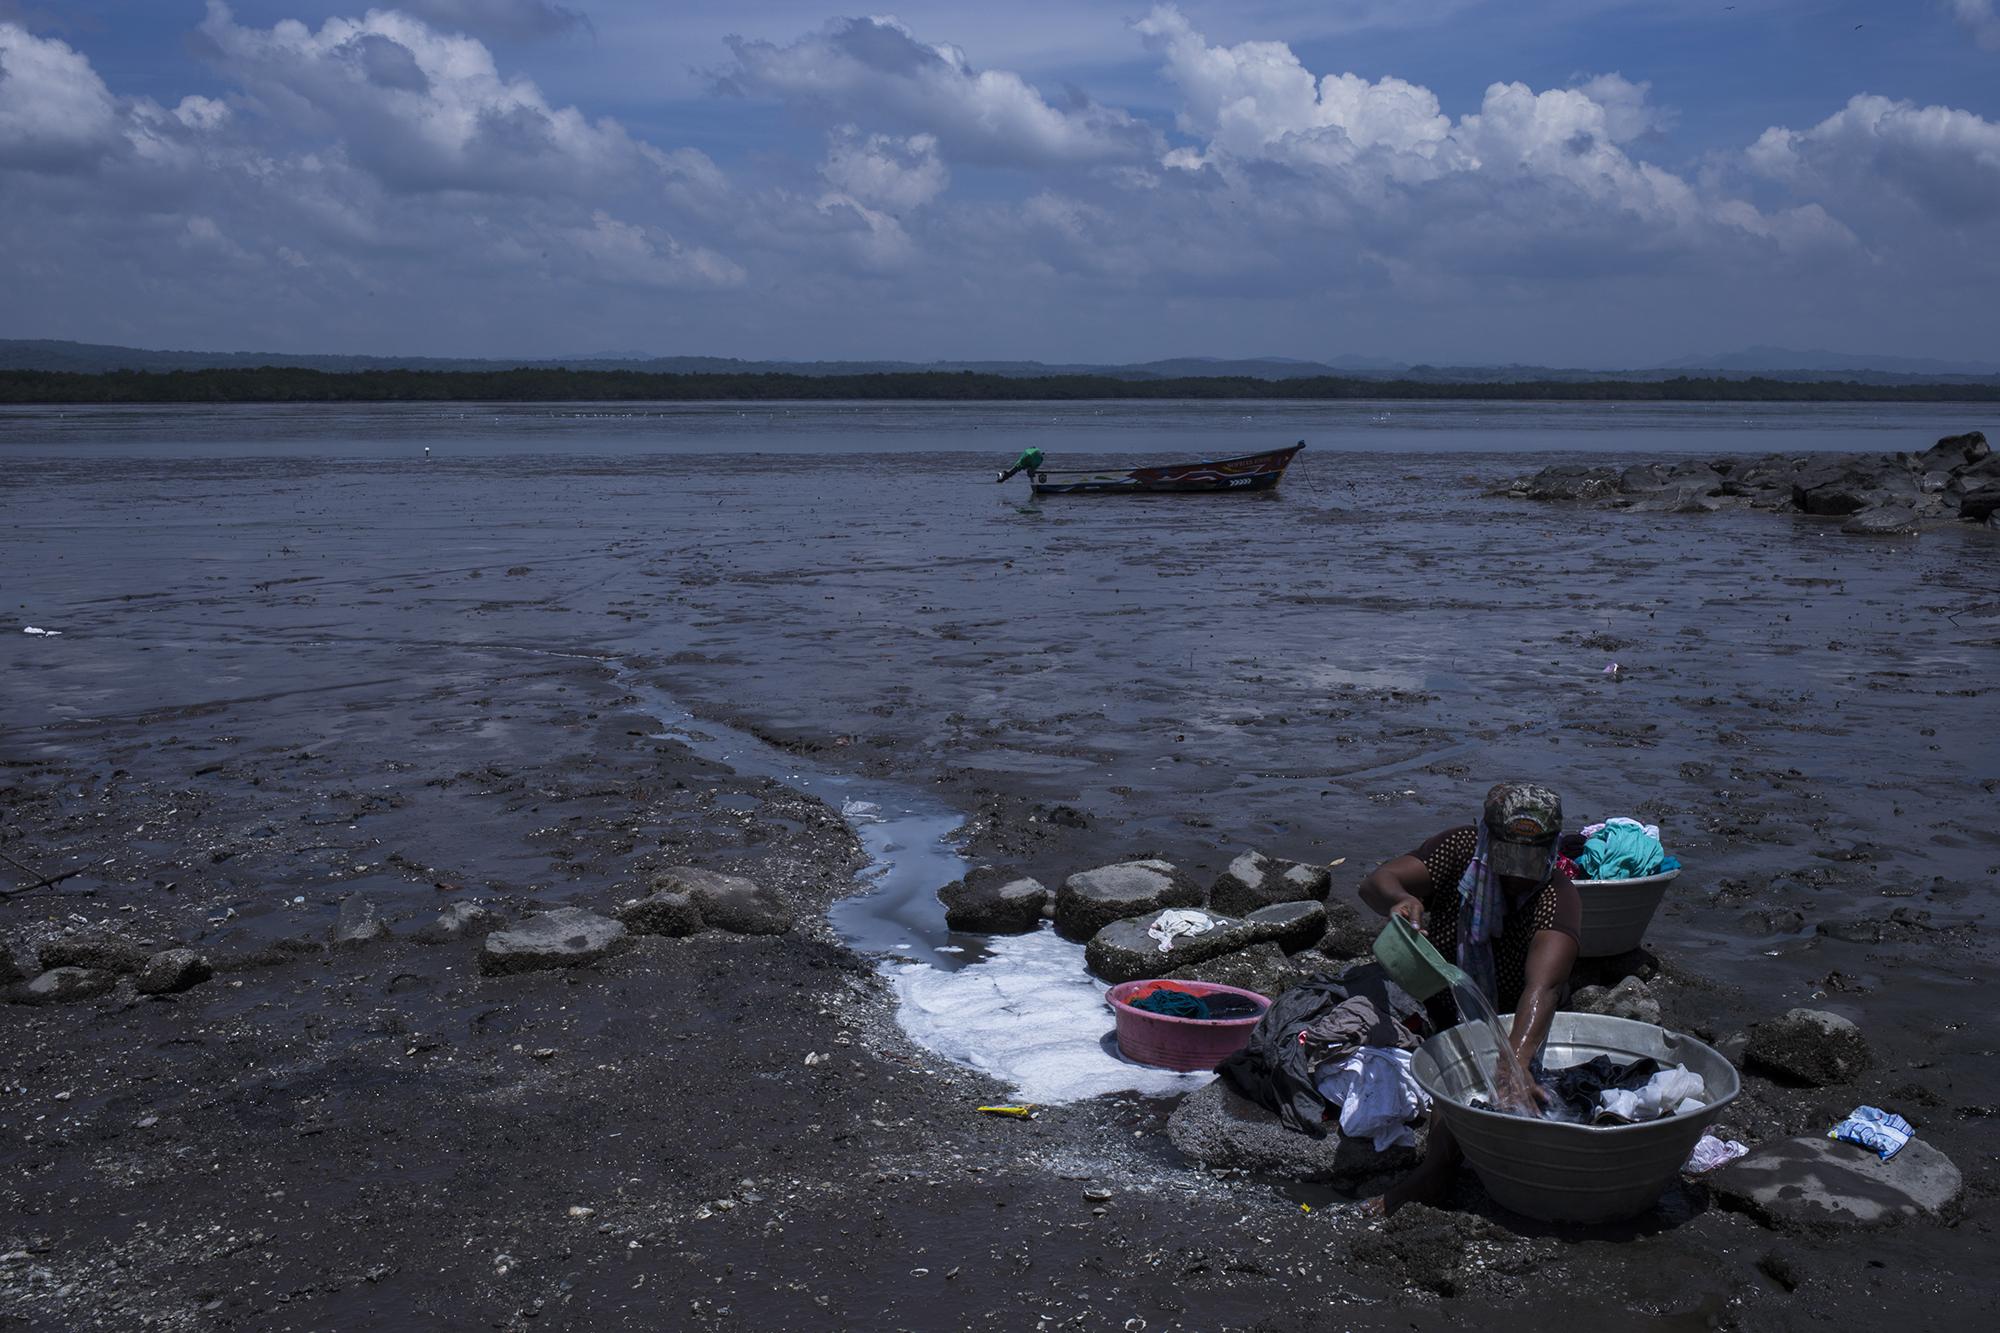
(1270, 922)
(683, 901)
(991, 901)
(68, 969)
(1127, 951)
(1956, 480)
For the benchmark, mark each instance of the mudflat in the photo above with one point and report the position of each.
(305, 674)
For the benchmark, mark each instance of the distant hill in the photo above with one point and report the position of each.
(40, 354)
(1765, 360)
(96, 358)
(277, 384)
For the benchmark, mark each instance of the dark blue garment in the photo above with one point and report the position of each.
(1172, 1003)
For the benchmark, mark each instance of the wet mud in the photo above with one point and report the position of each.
(298, 662)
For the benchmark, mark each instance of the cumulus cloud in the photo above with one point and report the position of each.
(1943, 161)
(387, 182)
(371, 179)
(1525, 167)
(883, 171)
(634, 252)
(420, 108)
(55, 112)
(1628, 115)
(518, 19)
(876, 70)
(1256, 100)
(1981, 18)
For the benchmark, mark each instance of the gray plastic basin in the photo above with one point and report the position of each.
(1554, 1172)
(1616, 912)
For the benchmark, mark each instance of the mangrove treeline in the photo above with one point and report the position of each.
(274, 384)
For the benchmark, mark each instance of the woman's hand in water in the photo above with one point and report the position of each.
(1517, 1089)
(1412, 911)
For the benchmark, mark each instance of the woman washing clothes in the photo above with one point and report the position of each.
(1490, 898)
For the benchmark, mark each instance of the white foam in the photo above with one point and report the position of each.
(1030, 1015)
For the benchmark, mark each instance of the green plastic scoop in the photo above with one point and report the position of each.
(1410, 959)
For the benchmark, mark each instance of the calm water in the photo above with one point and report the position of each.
(472, 430)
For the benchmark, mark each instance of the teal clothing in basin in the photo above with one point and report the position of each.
(1621, 850)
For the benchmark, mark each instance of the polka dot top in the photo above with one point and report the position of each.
(1556, 906)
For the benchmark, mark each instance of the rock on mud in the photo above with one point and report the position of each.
(1955, 451)
(1808, 1046)
(1887, 520)
(173, 970)
(1877, 494)
(1263, 968)
(1254, 880)
(1687, 497)
(1123, 951)
(1836, 499)
(1220, 1129)
(104, 952)
(1980, 504)
(991, 901)
(462, 920)
(1569, 481)
(1813, 1182)
(662, 912)
(566, 937)
(729, 902)
(1090, 900)
(358, 923)
(1350, 932)
(1628, 999)
(61, 985)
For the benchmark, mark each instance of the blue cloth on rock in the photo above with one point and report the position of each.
(1872, 1127)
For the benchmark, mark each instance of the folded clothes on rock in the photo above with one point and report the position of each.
(1872, 1127)
(1175, 922)
(1377, 1094)
(1712, 1152)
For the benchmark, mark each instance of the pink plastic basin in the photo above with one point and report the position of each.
(1180, 1043)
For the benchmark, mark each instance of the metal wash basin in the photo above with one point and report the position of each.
(1572, 1173)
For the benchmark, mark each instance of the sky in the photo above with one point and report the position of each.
(1613, 183)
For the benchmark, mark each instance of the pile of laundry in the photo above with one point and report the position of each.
(1338, 1052)
(1175, 922)
(1173, 1001)
(1601, 1091)
(1618, 848)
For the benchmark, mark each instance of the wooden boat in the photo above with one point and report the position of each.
(1251, 472)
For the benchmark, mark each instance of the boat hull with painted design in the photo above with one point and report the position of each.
(1251, 472)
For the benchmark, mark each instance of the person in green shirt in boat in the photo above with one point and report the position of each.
(1029, 461)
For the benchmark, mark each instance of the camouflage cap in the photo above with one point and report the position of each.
(1523, 821)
